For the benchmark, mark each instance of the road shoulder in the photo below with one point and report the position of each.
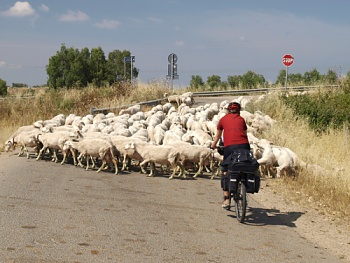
(310, 224)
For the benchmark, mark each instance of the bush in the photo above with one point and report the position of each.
(3, 88)
(322, 110)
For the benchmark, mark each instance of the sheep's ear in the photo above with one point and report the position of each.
(132, 145)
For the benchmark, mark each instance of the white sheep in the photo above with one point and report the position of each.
(24, 139)
(200, 137)
(119, 142)
(92, 147)
(131, 110)
(160, 154)
(55, 141)
(194, 154)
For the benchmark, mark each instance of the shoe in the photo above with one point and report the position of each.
(226, 204)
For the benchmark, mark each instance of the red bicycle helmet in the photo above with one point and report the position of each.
(234, 107)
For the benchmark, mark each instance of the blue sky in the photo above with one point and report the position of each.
(223, 37)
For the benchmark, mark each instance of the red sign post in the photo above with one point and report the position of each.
(287, 60)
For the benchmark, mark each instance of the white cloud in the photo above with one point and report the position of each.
(108, 24)
(19, 9)
(44, 8)
(71, 16)
(2, 64)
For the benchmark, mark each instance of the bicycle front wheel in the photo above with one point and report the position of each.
(241, 202)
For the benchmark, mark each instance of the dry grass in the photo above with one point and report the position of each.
(43, 103)
(329, 191)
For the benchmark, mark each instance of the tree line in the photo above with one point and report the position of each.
(77, 68)
(251, 80)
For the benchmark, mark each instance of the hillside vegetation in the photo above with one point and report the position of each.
(314, 126)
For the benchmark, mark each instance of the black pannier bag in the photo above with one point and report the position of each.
(257, 184)
(229, 182)
(250, 183)
(241, 160)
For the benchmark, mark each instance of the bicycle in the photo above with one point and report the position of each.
(240, 184)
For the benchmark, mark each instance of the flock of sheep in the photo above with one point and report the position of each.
(175, 135)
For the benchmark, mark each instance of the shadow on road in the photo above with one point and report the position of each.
(261, 216)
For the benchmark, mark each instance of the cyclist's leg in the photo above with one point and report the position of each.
(224, 185)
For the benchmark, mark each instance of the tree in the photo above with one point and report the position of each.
(311, 77)
(295, 79)
(251, 80)
(85, 61)
(98, 66)
(73, 68)
(3, 87)
(196, 82)
(213, 81)
(234, 81)
(57, 68)
(331, 77)
(281, 78)
(115, 66)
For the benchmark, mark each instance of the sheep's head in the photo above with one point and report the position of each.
(10, 144)
(130, 148)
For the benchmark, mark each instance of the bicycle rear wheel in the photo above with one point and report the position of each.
(241, 202)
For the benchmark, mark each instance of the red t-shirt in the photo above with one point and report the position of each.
(234, 129)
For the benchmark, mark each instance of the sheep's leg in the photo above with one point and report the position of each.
(54, 158)
(21, 151)
(212, 175)
(115, 166)
(152, 169)
(27, 154)
(74, 156)
(87, 162)
(207, 169)
(79, 160)
(174, 172)
(41, 153)
(115, 162)
(143, 170)
(279, 170)
(102, 166)
(126, 163)
(151, 174)
(64, 158)
(92, 161)
(182, 170)
(200, 169)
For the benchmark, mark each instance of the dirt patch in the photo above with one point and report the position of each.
(311, 223)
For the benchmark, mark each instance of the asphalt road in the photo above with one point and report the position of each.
(62, 213)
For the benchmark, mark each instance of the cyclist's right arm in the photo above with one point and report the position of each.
(216, 138)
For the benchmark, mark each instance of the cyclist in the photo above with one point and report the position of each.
(234, 130)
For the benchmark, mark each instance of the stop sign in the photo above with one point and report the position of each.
(287, 60)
